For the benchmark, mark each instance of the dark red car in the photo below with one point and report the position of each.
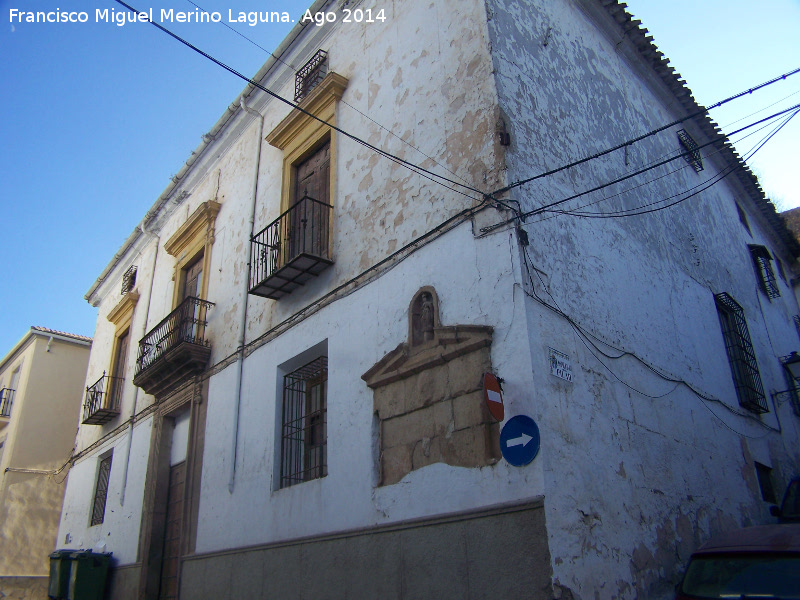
(754, 562)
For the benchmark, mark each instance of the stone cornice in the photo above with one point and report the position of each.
(124, 308)
(449, 342)
(200, 222)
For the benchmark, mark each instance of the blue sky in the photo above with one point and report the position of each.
(96, 118)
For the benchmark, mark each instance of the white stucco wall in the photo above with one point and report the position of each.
(119, 530)
(634, 481)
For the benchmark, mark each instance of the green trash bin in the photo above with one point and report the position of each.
(87, 576)
(60, 563)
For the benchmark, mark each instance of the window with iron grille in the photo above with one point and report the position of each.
(796, 319)
(310, 75)
(129, 280)
(741, 356)
(304, 424)
(762, 263)
(101, 490)
(691, 151)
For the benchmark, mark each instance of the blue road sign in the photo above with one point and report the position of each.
(519, 440)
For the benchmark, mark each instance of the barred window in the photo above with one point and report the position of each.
(304, 424)
(793, 389)
(101, 491)
(310, 75)
(741, 356)
(129, 280)
(691, 151)
(796, 319)
(762, 263)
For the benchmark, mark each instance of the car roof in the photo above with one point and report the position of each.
(763, 538)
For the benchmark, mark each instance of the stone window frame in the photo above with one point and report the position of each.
(299, 135)
(194, 237)
(121, 316)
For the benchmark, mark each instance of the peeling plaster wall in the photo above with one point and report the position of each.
(633, 483)
(415, 90)
(475, 283)
(119, 530)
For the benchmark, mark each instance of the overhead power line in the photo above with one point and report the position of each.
(435, 177)
(546, 207)
(643, 209)
(696, 113)
(342, 100)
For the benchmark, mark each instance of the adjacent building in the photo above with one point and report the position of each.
(41, 388)
(285, 392)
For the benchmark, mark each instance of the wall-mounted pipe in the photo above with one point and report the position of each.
(136, 390)
(243, 326)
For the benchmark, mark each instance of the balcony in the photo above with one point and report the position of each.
(175, 349)
(102, 400)
(6, 400)
(291, 250)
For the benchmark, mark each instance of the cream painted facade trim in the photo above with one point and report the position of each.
(122, 313)
(192, 238)
(299, 134)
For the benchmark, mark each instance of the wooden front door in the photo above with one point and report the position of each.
(171, 561)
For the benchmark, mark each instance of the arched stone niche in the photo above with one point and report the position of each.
(428, 395)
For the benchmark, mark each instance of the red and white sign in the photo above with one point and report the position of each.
(493, 396)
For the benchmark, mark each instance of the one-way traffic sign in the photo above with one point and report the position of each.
(519, 440)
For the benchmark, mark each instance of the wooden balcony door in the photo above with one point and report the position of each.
(312, 179)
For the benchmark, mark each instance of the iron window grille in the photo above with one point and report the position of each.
(796, 319)
(792, 390)
(101, 491)
(762, 263)
(691, 153)
(6, 400)
(129, 280)
(741, 356)
(304, 424)
(310, 75)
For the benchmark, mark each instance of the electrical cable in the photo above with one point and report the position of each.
(342, 100)
(701, 111)
(630, 175)
(440, 179)
(556, 213)
(585, 336)
(708, 183)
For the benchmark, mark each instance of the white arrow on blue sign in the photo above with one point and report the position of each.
(519, 440)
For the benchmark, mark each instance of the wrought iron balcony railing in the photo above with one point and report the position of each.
(6, 400)
(102, 400)
(291, 250)
(174, 349)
